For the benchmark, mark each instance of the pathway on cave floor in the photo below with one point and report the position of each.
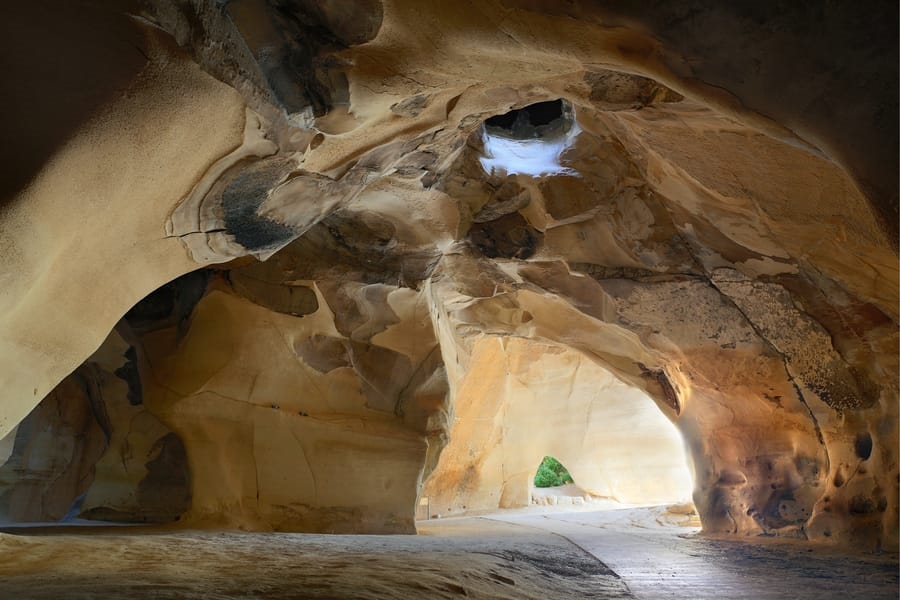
(630, 553)
(469, 558)
(660, 560)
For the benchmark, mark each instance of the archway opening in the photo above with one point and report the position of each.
(524, 400)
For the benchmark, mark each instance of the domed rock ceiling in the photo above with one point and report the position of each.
(266, 266)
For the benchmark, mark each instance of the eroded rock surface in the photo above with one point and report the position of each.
(721, 234)
(91, 450)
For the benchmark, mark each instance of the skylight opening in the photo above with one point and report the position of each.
(530, 140)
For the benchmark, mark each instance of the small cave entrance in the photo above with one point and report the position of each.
(529, 140)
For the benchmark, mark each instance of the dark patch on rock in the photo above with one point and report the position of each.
(716, 515)
(863, 445)
(323, 353)
(838, 480)
(40, 482)
(613, 90)
(170, 304)
(157, 305)
(165, 493)
(862, 505)
(783, 510)
(429, 179)
(353, 306)
(349, 246)
(841, 392)
(808, 467)
(415, 163)
(566, 196)
(509, 198)
(262, 283)
(510, 236)
(128, 373)
(383, 373)
(410, 107)
(669, 394)
(241, 199)
(601, 272)
(299, 58)
(732, 478)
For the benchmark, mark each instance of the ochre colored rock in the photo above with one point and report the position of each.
(716, 226)
(91, 450)
(53, 456)
(290, 424)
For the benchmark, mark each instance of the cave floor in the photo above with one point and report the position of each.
(657, 558)
(633, 553)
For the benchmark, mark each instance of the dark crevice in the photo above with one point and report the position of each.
(171, 304)
(128, 373)
(510, 236)
(542, 113)
(535, 121)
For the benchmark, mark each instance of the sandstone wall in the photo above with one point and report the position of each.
(91, 450)
(299, 422)
(723, 236)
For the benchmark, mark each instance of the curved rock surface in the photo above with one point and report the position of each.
(339, 280)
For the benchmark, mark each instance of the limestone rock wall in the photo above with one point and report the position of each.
(143, 477)
(91, 450)
(721, 235)
(53, 455)
(298, 417)
(698, 322)
(76, 263)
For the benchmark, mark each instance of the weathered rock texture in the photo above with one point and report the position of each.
(53, 455)
(91, 450)
(301, 421)
(721, 235)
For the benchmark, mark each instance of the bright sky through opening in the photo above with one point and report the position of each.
(535, 157)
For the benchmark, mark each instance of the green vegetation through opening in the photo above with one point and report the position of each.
(551, 473)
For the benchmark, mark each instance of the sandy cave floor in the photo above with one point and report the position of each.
(540, 553)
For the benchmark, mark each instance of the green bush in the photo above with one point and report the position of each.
(551, 474)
